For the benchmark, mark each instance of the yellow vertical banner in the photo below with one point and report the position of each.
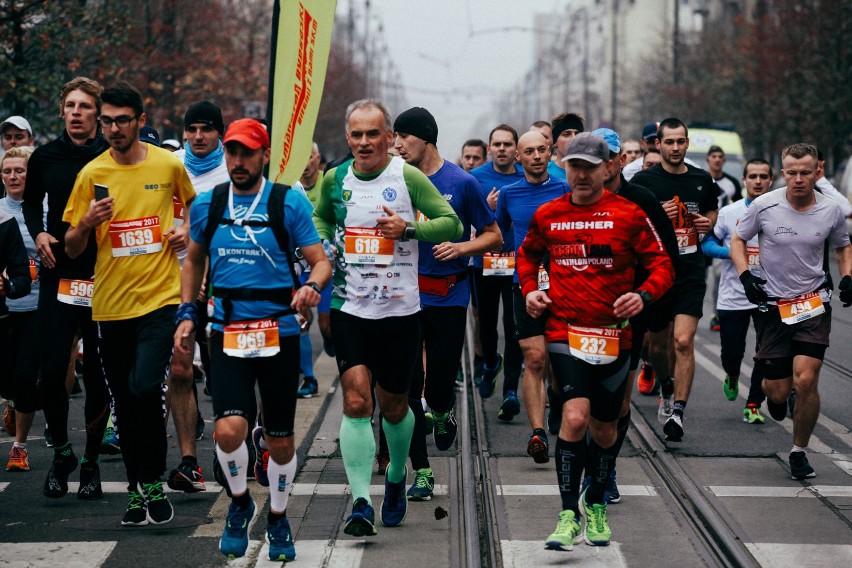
(301, 39)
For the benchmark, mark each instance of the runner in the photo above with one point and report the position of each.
(735, 311)
(136, 285)
(367, 210)
(65, 287)
(255, 338)
(795, 226)
(594, 240)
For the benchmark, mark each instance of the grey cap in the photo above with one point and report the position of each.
(589, 147)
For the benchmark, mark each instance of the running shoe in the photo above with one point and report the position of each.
(90, 481)
(445, 429)
(280, 539)
(664, 412)
(48, 437)
(554, 413)
(110, 445)
(673, 429)
(424, 484)
(137, 513)
(160, 511)
(752, 415)
(568, 532)
(362, 520)
(731, 387)
(199, 428)
(18, 460)
(309, 389)
(395, 504)
(510, 407)
(597, 531)
(9, 421)
(800, 468)
(235, 540)
(64, 462)
(538, 448)
(777, 410)
(261, 462)
(611, 493)
(714, 324)
(646, 382)
(489, 378)
(187, 477)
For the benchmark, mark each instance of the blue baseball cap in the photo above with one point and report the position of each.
(611, 138)
(150, 135)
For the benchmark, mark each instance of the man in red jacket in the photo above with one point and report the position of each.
(594, 240)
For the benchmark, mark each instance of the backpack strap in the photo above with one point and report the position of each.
(218, 202)
(275, 210)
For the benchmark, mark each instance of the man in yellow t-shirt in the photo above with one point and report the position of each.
(123, 199)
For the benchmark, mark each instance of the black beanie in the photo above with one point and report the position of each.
(419, 122)
(568, 122)
(204, 112)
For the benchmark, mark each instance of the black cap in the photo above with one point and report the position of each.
(419, 122)
(714, 149)
(150, 135)
(204, 112)
(567, 122)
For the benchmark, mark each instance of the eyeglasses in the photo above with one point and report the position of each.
(120, 121)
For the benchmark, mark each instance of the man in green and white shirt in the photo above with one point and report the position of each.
(368, 208)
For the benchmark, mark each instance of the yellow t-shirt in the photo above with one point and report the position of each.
(136, 271)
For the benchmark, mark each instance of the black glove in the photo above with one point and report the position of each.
(845, 288)
(753, 289)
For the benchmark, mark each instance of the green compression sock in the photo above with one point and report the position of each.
(399, 441)
(358, 448)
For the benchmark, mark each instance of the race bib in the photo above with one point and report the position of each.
(76, 292)
(179, 209)
(500, 264)
(594, 345)
(249, 339)
(421, 216)
(366, 245)
(543, 278)
(136, 236)
(800, 309)
(753, 254)
(33, 269)
(687, 240)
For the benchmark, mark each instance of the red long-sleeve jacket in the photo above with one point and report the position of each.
(593, 251)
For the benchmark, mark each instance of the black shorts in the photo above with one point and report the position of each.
(19, 362)
(277, 380)
(685, 297)
(388, 347)
(526, 326)
(776, 339)
(603, 385)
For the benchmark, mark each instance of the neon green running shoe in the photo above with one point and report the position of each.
(567, 533)
(752, 415)
(429, 422)
(731, 386)
(597, 531)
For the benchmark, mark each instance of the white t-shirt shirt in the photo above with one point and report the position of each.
(202, 183)
(731, 293)
(635, 167)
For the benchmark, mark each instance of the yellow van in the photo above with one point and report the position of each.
(700, 141)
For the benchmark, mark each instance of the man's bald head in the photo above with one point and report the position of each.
(533, 137)
(534, 155)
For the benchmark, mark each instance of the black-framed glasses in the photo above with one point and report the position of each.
(120, 121)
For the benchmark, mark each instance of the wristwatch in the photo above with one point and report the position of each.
(315, 286)
(646, 297)
(410, 232)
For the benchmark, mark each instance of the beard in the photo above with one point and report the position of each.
(248, 184)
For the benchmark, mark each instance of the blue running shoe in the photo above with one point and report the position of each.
(489, 378)
(510, 407)
(235, 540)
(362, 520)
(261, 460)
(611, 494)
(280, 539)
(395, 504)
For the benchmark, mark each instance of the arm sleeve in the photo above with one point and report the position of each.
(443, 224)
(323, 216)
(33, 206)
(529, 256)
(654, 258)
(712, 247)
(13, 256)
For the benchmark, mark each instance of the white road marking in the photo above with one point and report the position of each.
(550, 490)
(343, 489)
(121, 487)
(66, 554)
(525, 553)
(325, 553)
(798, 555)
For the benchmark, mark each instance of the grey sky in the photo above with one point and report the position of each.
(454, 62)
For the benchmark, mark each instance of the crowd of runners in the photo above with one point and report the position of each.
(171, 260)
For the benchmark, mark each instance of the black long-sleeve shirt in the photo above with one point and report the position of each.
(51, 171)
(13, 260)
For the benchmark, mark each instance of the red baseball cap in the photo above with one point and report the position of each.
(248, 132)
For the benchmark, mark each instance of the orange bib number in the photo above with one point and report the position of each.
(136, 236)
(33, 269)
(366, 245)
(249, 339)
(500, 264)
(178, 209)
(543, 279)
(800, 309)
(594, 345)
(76, 292)
(687, 240)
(753, 254)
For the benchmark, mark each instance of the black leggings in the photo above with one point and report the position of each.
(19, 360)
(489, 290)
(733, 328)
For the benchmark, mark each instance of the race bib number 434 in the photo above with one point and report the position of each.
(136, 236)
(249, 339)
(366, 245)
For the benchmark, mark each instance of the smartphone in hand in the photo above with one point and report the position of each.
(101, 192)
